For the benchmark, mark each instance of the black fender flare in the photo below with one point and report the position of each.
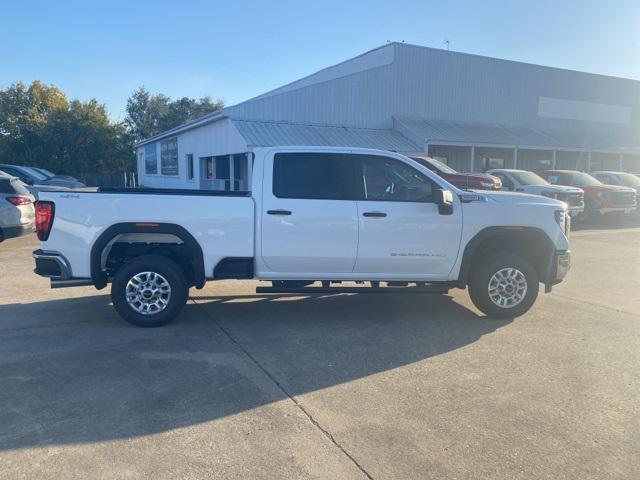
(512, 231)
(99, 277)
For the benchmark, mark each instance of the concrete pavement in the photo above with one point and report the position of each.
(345, 386)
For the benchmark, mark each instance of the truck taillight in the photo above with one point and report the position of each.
(17, 201)
(44, 219)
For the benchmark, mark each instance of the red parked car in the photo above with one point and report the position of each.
(466, 181)
(598, 197)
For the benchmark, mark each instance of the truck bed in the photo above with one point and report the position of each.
(221, 222)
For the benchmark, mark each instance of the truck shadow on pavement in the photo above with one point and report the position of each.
(73, 372)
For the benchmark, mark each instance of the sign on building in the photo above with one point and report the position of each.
(169, 156)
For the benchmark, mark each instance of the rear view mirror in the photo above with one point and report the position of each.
(444, 200)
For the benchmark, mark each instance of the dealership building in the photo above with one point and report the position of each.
(471, 112)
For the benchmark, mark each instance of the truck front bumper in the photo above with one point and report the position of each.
(559, 268)
(562, 265)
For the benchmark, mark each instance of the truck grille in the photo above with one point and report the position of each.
(574, 199)
(623, 199)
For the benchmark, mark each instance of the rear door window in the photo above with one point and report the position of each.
(322, 176)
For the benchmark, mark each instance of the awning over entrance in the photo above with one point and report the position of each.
(267, 134)
(451, 132)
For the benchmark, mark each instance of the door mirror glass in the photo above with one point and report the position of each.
(444, 200)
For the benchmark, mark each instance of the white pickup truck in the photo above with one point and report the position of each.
(329, 215)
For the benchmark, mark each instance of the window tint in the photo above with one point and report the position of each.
(5, 186)
(388, 179)
(311, 175)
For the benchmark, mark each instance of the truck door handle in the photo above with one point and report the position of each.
(278, 212)
(374, 214)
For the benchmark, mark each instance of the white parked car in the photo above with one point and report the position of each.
(313, 214)
(529, 182)
(17, 213)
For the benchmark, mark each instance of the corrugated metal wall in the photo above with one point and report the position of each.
(436, 84)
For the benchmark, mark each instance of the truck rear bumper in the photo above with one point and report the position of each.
(54, 266)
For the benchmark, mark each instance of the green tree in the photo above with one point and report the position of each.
(40, 127)
(24, 112)
(149, 114)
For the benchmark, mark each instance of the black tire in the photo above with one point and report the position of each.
(170, 272)
(484, 271)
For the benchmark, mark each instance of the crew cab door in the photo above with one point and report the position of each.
(402, 232)
(309, 216)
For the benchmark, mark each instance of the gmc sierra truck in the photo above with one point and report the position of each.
(352, 220)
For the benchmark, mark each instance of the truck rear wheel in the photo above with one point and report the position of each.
(149, 291)
(504, 285)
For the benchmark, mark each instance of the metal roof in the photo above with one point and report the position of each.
(434, 131)
(198, 122)
(266, 134)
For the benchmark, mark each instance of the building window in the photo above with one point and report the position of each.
(223, 170)
(169, 157)
(190, 167)
(150, 159)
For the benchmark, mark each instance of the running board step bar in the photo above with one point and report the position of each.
(433, 289)
(72, 282)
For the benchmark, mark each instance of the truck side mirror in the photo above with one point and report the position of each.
(444, 199)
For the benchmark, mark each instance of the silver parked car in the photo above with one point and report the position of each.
(17, 212)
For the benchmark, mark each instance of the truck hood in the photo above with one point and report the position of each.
(551, 188)
(475, 178)
(606, 188)
(514, 198)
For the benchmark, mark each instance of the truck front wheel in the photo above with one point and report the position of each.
(503, 286)
(149, 291)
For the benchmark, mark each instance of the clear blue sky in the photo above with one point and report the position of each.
(236, 49)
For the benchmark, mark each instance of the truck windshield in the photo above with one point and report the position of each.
(628, 180)
(528, 178)
(580, 179)
(443, 167)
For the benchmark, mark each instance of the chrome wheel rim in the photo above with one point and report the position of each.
(148, 293)
(507, 287)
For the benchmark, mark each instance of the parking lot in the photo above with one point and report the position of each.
(256, 386)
